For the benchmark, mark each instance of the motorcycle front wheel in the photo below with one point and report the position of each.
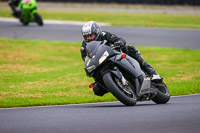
(23, 22)
(124, 93)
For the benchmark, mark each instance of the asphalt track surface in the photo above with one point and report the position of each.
(179, 115)
(138, 36)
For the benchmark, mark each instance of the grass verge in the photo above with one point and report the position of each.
(51, 72)
(122, 19)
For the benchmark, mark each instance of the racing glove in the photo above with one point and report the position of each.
(119, 44)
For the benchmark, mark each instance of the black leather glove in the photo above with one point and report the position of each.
(119, 44)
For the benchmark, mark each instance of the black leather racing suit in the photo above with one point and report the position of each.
(130, 50)
(13, 5)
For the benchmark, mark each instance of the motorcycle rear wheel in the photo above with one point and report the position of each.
(38, 19)
(163, 94)
(125, 95)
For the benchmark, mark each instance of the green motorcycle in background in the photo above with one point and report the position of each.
(28, 12)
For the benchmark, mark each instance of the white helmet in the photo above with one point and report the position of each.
(89, 28)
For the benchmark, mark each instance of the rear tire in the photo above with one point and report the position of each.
(126, 97)
(38, 19)
(163, 94)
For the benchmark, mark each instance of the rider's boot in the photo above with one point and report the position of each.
(151, 72)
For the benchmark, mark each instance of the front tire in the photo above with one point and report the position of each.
(23, 22)
(125, 95)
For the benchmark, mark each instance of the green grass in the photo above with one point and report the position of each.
(122, 19)
(36, 72)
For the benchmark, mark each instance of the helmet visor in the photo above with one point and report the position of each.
(89, 37)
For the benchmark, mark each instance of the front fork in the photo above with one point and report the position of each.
(115, 71)
(119, 75)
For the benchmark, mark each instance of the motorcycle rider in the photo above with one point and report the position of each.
(91, 31)
(13, 5)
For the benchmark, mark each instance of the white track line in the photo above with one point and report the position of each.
(185, 95)
(67, 105)
(2, 19)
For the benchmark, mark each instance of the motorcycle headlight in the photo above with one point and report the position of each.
(103, 57)
(91, 68)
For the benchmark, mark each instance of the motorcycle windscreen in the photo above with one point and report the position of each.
(92, 47)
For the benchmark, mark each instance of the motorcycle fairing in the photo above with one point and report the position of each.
(95, 50)
(128, 64)
(28, 9)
